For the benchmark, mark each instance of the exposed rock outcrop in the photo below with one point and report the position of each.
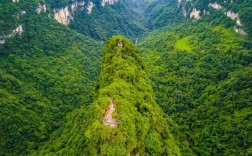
(179, 2)
(41, 8)
(108, 116)
(195, 14)
(2, 41)
(110, 2)
(234, 16)
(22, 12)
(18, 31)
(184, 12)
(90, 7)
(240, 31)
(215, 6)
(230, 14)
(81, 3)
(63, 15)
(74, 6)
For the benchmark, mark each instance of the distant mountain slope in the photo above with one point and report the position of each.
(238, 11)
(106, 21)
(161, 13)
(139, 126)
(235, 14)
(201, 79)
(98, 19)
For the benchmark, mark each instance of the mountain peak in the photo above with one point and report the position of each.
(124, 118)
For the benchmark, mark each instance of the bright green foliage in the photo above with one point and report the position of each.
(201, 76)
(142, 127)
(207, 91)
(224, 116)
(183, 44)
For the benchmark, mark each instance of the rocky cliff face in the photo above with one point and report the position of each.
(197, 13)
(110, 2)
(63, 14)
(66, 14)
(233, 15)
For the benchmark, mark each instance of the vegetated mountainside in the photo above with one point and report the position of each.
(98, 19)
(139, 126)
(201, 73)
(162, 13)
(202, 79)
(104, 22)
(46, 70)
(239, 11)
(236, 14)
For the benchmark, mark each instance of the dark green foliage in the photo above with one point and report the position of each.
(107, 21)
(202, 78)
(162, 13)
(142, 127)
(246, 17)
(45, 73)
(58, 3)
(242, 7)
(224, 116)
(102, 23)
(8, 17)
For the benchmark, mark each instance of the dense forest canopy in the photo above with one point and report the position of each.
(140, 126)
(204, 84)
(69, 86)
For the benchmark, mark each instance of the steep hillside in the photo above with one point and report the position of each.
(108, 20)
(46, 70)
(235, 14)
(98, 19)
(161, 13)
(135, 126)
(220, 12)
(197, 54)
(202, 78)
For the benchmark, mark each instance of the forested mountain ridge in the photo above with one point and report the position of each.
(196, 53)
(139, 127)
